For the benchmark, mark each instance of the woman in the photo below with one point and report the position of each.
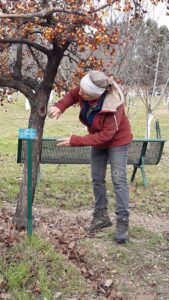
(109, 134)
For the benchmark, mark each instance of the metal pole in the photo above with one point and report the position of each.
(29, 187)
(29, 135)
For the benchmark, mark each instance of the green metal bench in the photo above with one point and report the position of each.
(141, 152)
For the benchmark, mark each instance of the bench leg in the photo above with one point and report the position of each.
(133, 174)
(145, 181)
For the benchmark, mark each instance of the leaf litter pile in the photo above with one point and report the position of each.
(64, 232)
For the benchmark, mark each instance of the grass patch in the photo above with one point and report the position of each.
(17, 275)
(33, 269)
(137, 268)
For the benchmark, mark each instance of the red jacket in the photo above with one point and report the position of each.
(110, 127)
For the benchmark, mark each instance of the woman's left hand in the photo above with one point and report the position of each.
(65, 143)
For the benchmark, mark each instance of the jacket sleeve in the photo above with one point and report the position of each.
(68, 100)
(106, 134)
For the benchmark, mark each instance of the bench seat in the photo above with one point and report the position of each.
(141, 152)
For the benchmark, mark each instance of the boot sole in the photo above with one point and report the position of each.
(120, 241)
(99, 227)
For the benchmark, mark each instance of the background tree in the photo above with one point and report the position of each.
(37, 40)
(142, 62)
(149, 66)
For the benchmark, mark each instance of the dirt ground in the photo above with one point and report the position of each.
(65, 231)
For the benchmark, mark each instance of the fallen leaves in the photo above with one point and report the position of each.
(65, 240)
(8, 235)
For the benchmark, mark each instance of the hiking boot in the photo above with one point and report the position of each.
(100, 220)
(122, 225)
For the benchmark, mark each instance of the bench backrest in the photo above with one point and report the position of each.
(148, 149)
(153, 153)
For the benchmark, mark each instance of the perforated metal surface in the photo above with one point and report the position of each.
(52, 154)
(134, 154)
(153, 153)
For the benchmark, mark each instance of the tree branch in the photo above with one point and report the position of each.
(32, 83)
(49, 11)
(71, 58)
(161, 97)
(27, 42)
(41, 14)
(103, 6)
(35, 58)
(155, 78)
(19, 86)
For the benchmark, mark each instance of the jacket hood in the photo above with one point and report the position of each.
(114, 98)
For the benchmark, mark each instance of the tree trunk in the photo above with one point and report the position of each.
(149, 119)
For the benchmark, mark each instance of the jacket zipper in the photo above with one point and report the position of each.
(115, 120)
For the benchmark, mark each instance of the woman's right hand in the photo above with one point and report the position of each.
(54, 112)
